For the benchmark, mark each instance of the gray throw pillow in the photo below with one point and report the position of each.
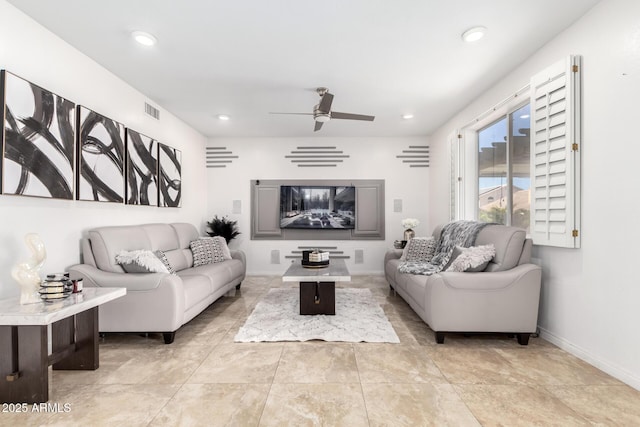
(162, 257)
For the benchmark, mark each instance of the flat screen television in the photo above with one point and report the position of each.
(317, 207)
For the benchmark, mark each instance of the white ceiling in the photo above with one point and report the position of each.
(246, 58)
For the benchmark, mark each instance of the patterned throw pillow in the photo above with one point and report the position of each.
(226, 253)
(140, 261)
(419, 249)
(162, 257)
(206, 250)
(473, 259)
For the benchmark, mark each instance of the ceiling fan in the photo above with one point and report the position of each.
(322, 112)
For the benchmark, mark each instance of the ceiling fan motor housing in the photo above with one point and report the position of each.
(321, 116)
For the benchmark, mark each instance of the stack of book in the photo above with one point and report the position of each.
(56, 287)
(315, 258)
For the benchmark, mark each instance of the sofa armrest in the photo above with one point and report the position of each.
(239, 255)
(94, 277)
(392, 254)
(488, 281)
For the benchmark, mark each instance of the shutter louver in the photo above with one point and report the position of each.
(555, 165)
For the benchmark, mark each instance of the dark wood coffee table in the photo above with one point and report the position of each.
(318, 285)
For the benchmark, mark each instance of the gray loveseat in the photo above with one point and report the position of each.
(155, 302)
(502, 298)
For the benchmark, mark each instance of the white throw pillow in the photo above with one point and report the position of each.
(140, 261)
(473, 259)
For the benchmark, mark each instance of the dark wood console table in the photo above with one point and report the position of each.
(24, 342)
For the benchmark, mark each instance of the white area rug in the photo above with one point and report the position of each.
(277, 317)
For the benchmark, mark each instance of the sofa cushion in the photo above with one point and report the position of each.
(106, 242)
(473, 259)
(186, 234)
(508, 242)
(141, 261)
(197, 287)
(162, 236)
(218, 274)
(419, 249)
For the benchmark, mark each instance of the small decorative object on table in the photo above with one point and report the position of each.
(315, 258)
(399, 244)
(409, 224)
(27, 273)
(55, 287)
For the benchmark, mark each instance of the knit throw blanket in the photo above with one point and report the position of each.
(457, 233)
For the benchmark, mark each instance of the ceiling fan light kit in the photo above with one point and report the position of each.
(322, 112)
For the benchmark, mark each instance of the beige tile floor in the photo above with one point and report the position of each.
(205, 379)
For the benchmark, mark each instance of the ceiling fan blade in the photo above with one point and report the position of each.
(325, 102)
(349, 116)
(317, 126)
(297, 114)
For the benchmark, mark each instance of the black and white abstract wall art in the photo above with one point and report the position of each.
(170, 176)
(100, 157)
(142, 169)
(37, 140)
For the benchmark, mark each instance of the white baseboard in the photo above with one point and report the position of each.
(613, 370)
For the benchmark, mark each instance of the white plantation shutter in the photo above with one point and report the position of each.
(455, 185)
(555, 155)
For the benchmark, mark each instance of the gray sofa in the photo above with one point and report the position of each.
(155, 302)
(502, 298)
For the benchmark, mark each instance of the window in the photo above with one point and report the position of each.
(504, 179)
(518, 163)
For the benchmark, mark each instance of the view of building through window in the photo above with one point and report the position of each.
(504, 194)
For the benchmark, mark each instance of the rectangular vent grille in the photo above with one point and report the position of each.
(152, 111)
(416, 156)
(333, 252)
(317, 157)
(219, 157)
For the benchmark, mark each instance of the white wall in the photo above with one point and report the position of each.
(32, 52)
(371, 158)
(590, 295)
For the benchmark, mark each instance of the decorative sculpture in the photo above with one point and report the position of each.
(27, 273)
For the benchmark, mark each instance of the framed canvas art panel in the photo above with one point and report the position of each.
(142, 169)
(169, 176)
(100, 157)
(38, 138)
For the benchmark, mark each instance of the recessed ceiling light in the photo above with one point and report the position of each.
(524, 116)
(143, 38)
(407, 116)
(474, 34)
(223, 117)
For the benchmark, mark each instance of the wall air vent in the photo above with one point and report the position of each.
(317, 157)
(219, 157)
(416, 156)
(152, 111)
